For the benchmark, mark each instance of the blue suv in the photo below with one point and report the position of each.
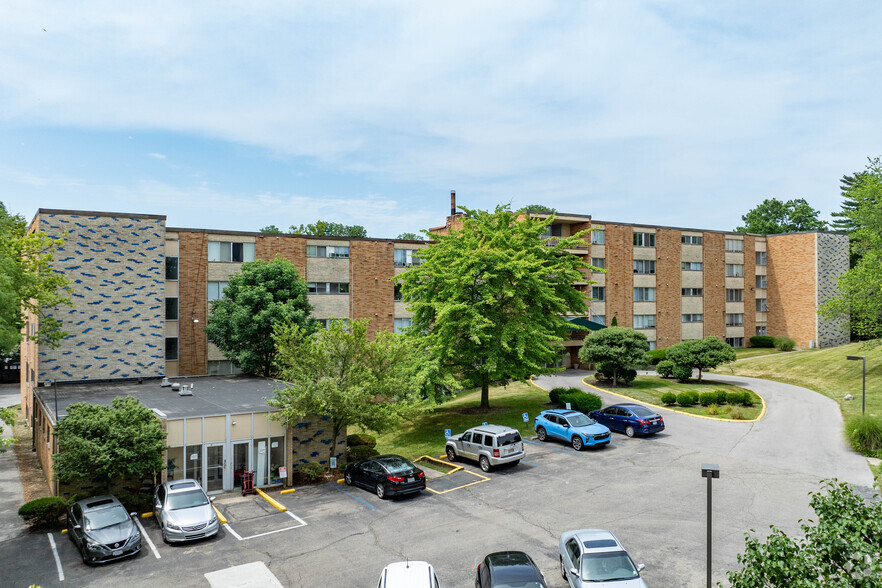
(571, 426)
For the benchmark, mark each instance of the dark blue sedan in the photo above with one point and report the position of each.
(630, 419)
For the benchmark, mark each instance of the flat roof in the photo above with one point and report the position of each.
(212, 395)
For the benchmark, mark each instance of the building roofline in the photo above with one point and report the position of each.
(97, 213)
(694, 230)
(289, 235)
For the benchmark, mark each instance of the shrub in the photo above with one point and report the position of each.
(44, 512)
(762, 341)
(736, 414)
(683, 373)
(669, 398)
(707, 398)
(312, 470)
(722, 396)
(746, 399)
(655, 356)
(864, 433)
(360, 452)
(734, 398)
(665, 368)
(582, 401)
(361, 439)
(626, 376)
(685, 399)
(785, 343)
(713, 409)
(555, 394)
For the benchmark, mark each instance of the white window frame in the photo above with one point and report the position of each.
(762, 278)
(761, 258)
(762, 305)
(598, 237)
(692, 294)
(599, 262)
(734, 319)
(734, 245)
(734, 270)
(646, 294)
(691, 318)
(598, 289)
(691, 266)
(691, 239)
(734, 294)
(646, 321)
(642, 239)
(641, 265)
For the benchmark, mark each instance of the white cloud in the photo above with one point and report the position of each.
(156, 155)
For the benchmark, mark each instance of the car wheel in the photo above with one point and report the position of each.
(577, 443)
(451, 454)
(83, 554)
(629, 431)
(381, 491)
(540, 432)
(164, 536)
(563, 570)
(484, 463)
(347, 477)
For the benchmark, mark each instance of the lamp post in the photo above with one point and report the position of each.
(863, 359)
(709, 471)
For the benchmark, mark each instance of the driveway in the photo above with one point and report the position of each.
(11, 492)
(802, 431)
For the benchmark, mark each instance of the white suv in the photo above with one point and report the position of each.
(489, 445)
(409, 574)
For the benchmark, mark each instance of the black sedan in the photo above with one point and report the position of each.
(102, 530)
(509, 568)
(387, 475)
(630, 419)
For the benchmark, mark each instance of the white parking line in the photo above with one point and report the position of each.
(287, 512)
(147, 537)
(230, 529)
(57, 559)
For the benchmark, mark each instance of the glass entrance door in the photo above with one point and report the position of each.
(240, 461)
(214, 467)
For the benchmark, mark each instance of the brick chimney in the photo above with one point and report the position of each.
(452, 202)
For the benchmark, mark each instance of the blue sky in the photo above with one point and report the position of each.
(231, 117)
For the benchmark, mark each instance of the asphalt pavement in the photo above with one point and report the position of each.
(11, 492)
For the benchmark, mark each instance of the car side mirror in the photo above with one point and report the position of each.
(158, 506)
(566, 426)
(77, 527)
(211, 499)
(640, 567)
(133, 514)
(574, 572)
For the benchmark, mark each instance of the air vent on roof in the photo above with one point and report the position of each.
(176, 386)
(186, 391)
(165, 383)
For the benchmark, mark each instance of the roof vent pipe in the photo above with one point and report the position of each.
(452, 202)
(175, 386)
(165, 383)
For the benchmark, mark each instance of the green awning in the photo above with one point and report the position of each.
(584, 324)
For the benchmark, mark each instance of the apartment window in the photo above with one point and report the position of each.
(734, 270)
(691, 239)
(171, 348)
(762, 305)
(692, 291)
(644, 266)
(644, 321)
(644, 239)
(397, 295)
(734, 320)
(325, 323)
(691, 266)
(598, 262)
(735, 341)
(644, 294)
(651, 345)
(222, 367)
(231, 252)
(761, 281)
(334, 251)
(216, 290)
(327, 288)
(598, 293)
(761, 331)
(401, 324)
(734, 245)
(598, 237)
(734, 295)
(692, 318)
(405, 258)
(171, 268)
(761, 258)
(600, 319)
(171, 309)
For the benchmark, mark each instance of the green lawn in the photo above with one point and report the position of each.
(649, 389)
(825, 371)
(745, 352)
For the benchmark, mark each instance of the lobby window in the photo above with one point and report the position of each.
(691, 239)
(555, 230)
(171, 309)
(600, 319)
(734, 245)
(644, 239)
(651, 345)
(401, 324)
(761, 331)
(225, 251)
(692, 291)
(734, 320)
(171, 268)
(734, 270)
(397, 295)
(691, 266)
(692, 318)
(644, 294)
(598, 237)
(171, 348)
(216, 290)
(223, 367)
(761, 281)
(644, 266)
(644, 321)
(598, 293)
(406, 258)
(735, 341)
(327, 288)
(734, 295)
(761, 258)
(334, 251)
(599, 262)
(762, 305)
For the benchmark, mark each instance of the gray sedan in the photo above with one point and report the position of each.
(183, 511)
(102, 530)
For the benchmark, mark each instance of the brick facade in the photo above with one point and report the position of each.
(792, 284)
(620, 279)
(715, 285)
(372, 293)
(749, 288)
(668, 247)
(290, 247)
(192, 303)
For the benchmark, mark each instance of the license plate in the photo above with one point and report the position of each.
(410, 479)
(117, 552)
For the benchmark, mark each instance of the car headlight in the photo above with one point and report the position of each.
(92, 544)
(172, 526)
(135, 537)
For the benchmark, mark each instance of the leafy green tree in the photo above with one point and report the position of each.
(411, 237)
(773, 217)
(271, 230)
(539, 208)
(263, 294)
(615, 349)
(615, 321)
(329, 229)
(340, 373)
(841, 549)
(701, 354)
(123, 439)
(28, 285)
(7, 416)
(490, 298)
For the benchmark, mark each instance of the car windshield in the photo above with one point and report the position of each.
(580, 420)
(106, 517)
(607, 566)
(642, 411)
(395, 465)
(509, 439)
(179, 500)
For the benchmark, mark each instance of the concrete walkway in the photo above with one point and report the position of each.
(11, 492)
(802, 431)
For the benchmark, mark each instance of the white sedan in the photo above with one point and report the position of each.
(595, 558)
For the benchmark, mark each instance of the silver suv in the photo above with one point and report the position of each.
(184, 511)
(489, 445)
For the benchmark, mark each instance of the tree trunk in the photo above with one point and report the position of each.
(616, 378)
(485, 391)
(699, 374)
(333, 446)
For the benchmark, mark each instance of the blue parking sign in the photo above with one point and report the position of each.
(526, 418)
(484, 423)
(446, 433)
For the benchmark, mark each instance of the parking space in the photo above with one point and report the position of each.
(249, 517)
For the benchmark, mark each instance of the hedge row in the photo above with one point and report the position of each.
(717, 397)
(578, 400)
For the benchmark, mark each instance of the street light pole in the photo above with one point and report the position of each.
(863, 359)
(709, 471)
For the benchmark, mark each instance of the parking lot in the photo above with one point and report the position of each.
(648, 491)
